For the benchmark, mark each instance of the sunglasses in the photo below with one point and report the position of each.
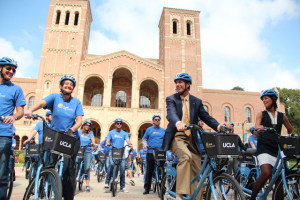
(8, 68)
(88, 125)
(119, 123)
(157, 120)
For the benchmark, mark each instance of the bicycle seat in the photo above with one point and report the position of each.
(250, 151)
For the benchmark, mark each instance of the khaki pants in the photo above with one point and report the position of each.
(189, 163)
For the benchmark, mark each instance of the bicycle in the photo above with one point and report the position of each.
(218, 184)
(158, 173)
(283, 177)
(100, 172)
(80, 168)
(33, 153)
(47, 182)
(11, 176)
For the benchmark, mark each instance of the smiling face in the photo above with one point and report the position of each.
(87, 126)
(8, 71)
(156, 121)
(181, 85)
(267, 101)
(67, 86)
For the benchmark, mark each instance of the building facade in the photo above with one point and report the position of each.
(124, 85)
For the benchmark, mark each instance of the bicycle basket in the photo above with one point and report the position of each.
(290, 145)
(159, 155)
(217, 144)
(34, 149)
(58, 142)
(102, 156)
(117, 153)
(81, 152)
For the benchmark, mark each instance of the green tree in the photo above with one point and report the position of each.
(291, 98)
(238, 88)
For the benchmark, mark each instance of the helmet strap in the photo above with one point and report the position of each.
(186, 89)
(65, 93)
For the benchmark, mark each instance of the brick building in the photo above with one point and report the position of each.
(125, 85)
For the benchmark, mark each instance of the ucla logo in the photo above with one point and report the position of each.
(60, 105)
(206, 145)
(228, 145)
(46, 138)
(285, 146)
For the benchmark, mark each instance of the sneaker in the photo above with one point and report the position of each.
(132, 182)
(87, 188)
(124, 190)
(106, 185)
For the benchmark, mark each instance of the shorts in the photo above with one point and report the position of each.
(127, 164)
(265, 158)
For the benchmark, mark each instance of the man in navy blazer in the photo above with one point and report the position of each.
(181, 142)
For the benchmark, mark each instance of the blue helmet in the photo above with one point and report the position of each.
(183, 76)
(8, 61)
(231, 123)
(118, 120)
(87, 121)
(156, 115)
(269, 92)
(68, 77)
(252, 129)
(48, 113)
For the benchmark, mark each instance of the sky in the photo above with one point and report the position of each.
(254, 44)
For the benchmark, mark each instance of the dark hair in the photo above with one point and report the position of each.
(274, 99)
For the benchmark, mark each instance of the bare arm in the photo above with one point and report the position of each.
(78, 123)
(31, 135)
(107, 143)
(35, 107)
(252, 145)
(258, 121)
(287, 124)
(128, 142)
(19, 114)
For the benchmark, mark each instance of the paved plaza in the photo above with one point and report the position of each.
(97, 189)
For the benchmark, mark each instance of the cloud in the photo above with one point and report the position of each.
(22, 56)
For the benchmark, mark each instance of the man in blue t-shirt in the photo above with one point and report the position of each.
(11, 99)
(252, 140)
(67, 115)
(152, 139)
(116, 138)
(39, 128)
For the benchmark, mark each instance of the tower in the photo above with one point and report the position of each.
(65, 44)
(179, 47)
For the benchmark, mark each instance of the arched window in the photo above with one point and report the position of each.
(67, 18)
(174, 27)
(205, 108)
(121, 99)
(227, 114)
(76, 18)
(145, 100)
(188, 28)
(248, 115)
(31, 102)
(57, 17)
(96, 98)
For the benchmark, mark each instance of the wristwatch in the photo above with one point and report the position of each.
(15, 117)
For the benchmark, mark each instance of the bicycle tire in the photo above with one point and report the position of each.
(10, 183)
(293, 183)
(163, 187)
(50, 176)
(81, 178)
(77, 167)
(154, 186)
(235, 192)
(32, 173)
(114, 182)
(26, 169)
(160, 173)
(99, 175)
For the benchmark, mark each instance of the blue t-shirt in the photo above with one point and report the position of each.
(64, 112)
(170, 157)
(13, 145)
(133, 154)
(86, 140)
(154, 137)
(142, 153)
(11, 96)
(117, 138)
(39, 128)
(252, 139)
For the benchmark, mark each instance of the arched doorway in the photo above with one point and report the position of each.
(96, 128)
(142, 131)
(17, 138)
(149, 95)
(23, 139)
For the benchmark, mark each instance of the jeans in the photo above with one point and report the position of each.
(87, 163)
(109, 172)
(5, 148)
(121, 163)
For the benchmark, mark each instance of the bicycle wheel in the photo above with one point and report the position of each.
(10, 183)
(49, 186)
(293, 184)
(99, 172)
(27, 166)
(114, 182)
(81, 178)
(160, 174)
(225, 183)
(32, 171)
(163, 187)
(77, 167)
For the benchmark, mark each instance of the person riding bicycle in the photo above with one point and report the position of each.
(11, 99)
(116, 138)
(252, 140)
(267, 143)
(39, 128)
(153, 138)
(67, 115)
(87, 139)
(182, 109)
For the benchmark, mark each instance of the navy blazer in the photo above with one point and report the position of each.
(174, 114)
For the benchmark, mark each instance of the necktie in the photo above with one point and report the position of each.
(186, 119)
